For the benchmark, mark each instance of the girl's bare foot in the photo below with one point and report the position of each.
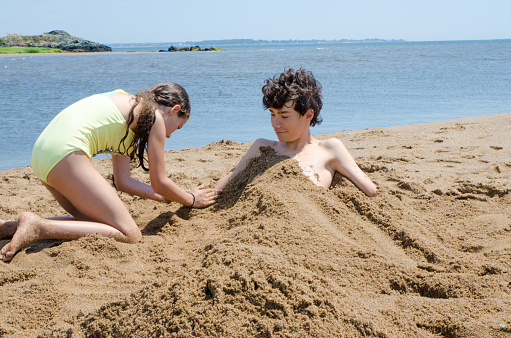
(29, 230)
(7, 228)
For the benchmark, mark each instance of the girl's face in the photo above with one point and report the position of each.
(173, 121)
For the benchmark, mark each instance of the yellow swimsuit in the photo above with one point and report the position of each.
(94, 125)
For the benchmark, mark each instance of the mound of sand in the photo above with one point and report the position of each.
(279, 256)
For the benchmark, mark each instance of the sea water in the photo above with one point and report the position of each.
(365, 85)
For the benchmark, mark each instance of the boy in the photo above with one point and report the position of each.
(294, 101)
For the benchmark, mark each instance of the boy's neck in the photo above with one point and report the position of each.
(295, 147)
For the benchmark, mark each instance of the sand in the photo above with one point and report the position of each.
(277, 256)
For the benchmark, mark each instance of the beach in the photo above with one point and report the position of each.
(278, 256)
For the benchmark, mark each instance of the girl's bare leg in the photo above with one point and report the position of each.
(32, 228)
(66, 205)
(8, 228)
(80, 189)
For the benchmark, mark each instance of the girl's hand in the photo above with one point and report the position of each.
(203, 197)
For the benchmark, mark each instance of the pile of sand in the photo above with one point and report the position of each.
(279, 256)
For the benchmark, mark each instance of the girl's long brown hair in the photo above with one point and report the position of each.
(168, 94)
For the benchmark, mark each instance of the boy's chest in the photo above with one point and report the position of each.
(316, 164)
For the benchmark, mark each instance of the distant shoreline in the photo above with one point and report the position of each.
(158, 46)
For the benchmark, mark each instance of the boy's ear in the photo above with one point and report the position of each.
(309, 115)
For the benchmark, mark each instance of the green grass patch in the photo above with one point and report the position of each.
(23, 50)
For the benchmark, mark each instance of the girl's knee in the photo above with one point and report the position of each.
(134, 236)
(128, 232)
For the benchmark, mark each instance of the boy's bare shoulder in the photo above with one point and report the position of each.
(261, 142)
(253, 151)
(331, 143)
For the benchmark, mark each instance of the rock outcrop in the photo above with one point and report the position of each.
(190, 49)
(55, 39)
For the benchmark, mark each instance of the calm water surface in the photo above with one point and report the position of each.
(365, 85)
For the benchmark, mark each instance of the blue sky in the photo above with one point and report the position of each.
(111, 21)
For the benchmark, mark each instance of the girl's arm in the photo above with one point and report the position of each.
(160, 182)
(125, 183)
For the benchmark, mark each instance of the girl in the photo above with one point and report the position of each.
(119, 123)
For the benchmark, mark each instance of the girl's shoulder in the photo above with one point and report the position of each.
(121, 91)
(117, 91)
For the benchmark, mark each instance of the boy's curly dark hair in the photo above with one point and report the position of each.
(299, 87)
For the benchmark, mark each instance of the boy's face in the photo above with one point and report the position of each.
(288, 124)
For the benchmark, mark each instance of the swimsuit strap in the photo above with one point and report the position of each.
(120, 91)
(117, 91)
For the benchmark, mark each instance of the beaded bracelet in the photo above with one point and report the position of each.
(191, 206)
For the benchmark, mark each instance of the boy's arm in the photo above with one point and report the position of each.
(346, 165)
(251, 153)
(221, 183)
